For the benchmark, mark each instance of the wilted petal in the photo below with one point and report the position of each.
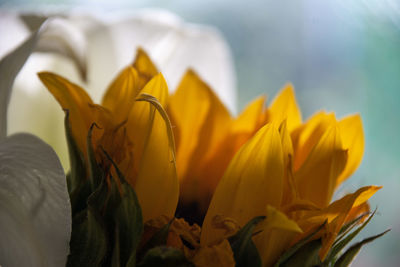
(35, 213)
(252, 181)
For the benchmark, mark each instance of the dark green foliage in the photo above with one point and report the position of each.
(243, 247)
(107, 222)
(305, 252)
(306, 255)
(294, 250)
(352, 252)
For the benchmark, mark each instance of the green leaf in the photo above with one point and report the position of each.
(306, 256)
(165, 257)
(88, 245)
(335, 250)
(243, 247)
(128, 221)
(352, 252)
(296, 247)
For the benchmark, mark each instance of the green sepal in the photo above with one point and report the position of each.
(244, 250)
(128, 221)
(344, 240)
(352, 252)
(298, 246)
(76, 158)
(89, 236)
(349, 226)
(78, 185)
(306, 255)
(163, 256)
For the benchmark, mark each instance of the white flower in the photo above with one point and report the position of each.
(100, 48)
(35, 212)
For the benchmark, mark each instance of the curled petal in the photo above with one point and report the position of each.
(157, 184)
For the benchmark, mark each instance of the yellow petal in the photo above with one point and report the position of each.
(276, 236)
(284, 107)
(252, 181)
(309, 134)
(157, 185)
(76, 100)
(352, 135)
(316, 179)
(196, 112)
(146, 68)
(121, 94)
(249, 120)
(224, 146)
(290, 191)
(220, 255)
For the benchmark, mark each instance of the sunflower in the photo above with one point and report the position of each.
(262, 182)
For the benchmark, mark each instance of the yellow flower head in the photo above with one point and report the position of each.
(264, 162)
(136, 134)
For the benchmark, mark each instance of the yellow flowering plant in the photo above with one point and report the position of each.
(260, 185)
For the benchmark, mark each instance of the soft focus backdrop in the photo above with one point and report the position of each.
(341, 56)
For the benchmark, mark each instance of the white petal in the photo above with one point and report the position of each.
(62, 37)
(10, 65)
(13, 32)
(171, 43)
(35, 213)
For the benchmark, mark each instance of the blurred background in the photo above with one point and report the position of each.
(341, 56)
